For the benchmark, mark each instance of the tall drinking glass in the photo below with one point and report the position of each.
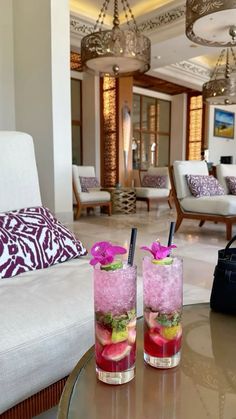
(163, 300)
(115, 324)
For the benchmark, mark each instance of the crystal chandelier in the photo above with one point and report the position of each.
(208, 17)
(221, 89)
(117, 51)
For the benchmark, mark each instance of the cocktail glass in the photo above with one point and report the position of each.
(115, 324)
(163, 300)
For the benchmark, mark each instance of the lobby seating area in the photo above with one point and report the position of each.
(116, 124)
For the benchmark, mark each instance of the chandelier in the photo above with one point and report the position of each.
(221, 89)
(117, 51)
(208, 17)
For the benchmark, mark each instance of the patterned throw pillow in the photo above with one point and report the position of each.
(154, 181)
(204, 185)
(32, 238)
(88, 183)
(231, 183)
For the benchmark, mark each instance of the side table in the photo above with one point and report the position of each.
(123, 200)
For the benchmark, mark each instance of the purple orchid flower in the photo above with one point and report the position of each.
(104, 252)
(158, 251)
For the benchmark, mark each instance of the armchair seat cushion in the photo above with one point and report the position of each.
(219, 205)
(95, 196)
(142, 192)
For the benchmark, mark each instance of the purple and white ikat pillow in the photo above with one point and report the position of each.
(88, 183)
(154, 181)
(204, 185)
(32, 238)
(231, 183)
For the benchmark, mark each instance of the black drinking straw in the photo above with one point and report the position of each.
(132, 246)
(171, 233)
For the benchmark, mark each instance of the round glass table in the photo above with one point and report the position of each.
(203, 386)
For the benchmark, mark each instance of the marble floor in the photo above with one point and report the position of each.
(197, 246)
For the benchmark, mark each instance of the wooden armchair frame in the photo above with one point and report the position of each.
(181, 214)
(154, 200)
(88, 205)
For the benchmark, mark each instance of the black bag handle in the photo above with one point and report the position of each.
(229, 244)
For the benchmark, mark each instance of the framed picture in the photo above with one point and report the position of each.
(224, 123)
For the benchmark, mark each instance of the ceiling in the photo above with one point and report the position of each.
(174, 57)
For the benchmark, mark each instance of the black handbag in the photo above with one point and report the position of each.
(223, 293)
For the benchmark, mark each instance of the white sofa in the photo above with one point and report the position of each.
(212, 208)
(46, 316)
(156, 195)
(89, 199)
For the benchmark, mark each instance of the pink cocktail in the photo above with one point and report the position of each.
(163, 299)
(115, 323)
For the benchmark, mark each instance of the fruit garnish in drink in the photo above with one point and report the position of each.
(104, 253)
(161, 254)
(163, 333)
(115, 340)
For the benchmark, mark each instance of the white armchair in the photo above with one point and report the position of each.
(92, 198)
(152, 194)
(220, 208)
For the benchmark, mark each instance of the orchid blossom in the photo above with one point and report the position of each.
(104, 252)
(158, 251)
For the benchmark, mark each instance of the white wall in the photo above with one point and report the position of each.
(7, 101)
(178, 127)
(219, 146)
(91, 121)
(42, 94)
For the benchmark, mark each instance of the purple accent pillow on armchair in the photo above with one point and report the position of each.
(154, 181)
(204, 185)
(88, 183)
(231, 183)
(32, 238)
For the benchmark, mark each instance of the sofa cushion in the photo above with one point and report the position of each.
(32, 238)
(220, 205)
(89, 182)
(151, 192)
(187, 167)
(231, 183)
(95, 196)
(154, 181)
(201, 185)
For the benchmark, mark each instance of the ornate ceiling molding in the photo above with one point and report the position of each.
(81, 27)
(163, 19)
(194, 69)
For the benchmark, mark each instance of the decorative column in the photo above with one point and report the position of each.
(109, 132)
(116, 153)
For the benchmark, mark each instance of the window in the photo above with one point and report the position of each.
(195, 127)
(151, 132)
(76, 124)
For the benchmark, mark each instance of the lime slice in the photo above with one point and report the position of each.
(112, 266)
(171, 332)
(165, 261)
(120, 336)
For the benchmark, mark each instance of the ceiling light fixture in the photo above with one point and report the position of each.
(210, 17)
(221, 89)
(117, 51)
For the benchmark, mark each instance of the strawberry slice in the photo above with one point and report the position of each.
(103, 335)
(116, 351)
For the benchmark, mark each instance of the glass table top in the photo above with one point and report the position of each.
(203, 386)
